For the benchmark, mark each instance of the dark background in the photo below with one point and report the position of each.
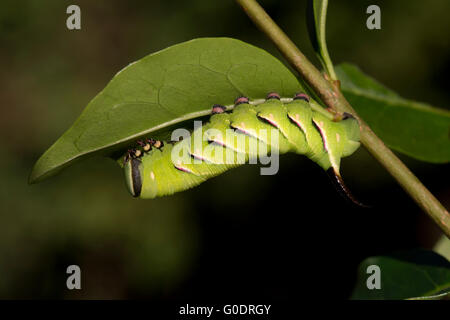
(240, 235)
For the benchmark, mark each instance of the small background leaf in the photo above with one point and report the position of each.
(418, 274)
(163, 90)
(413, 128)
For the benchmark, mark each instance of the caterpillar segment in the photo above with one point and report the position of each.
(239, 136)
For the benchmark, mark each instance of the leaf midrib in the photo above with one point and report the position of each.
(397, 101)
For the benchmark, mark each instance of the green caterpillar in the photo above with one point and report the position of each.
(151, 170)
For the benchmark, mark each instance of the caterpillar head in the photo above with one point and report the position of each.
(133, 176)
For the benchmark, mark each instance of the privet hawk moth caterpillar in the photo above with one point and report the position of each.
(151, 171)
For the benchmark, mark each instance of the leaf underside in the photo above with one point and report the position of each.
(163, 91)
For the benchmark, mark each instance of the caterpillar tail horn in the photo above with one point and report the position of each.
(342, 189)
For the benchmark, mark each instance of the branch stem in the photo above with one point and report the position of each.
(334, 99)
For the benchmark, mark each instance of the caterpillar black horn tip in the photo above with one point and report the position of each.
(343, 190)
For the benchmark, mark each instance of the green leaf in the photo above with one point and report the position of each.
(413, 128)
(165, 90)
(417, 274)
(316, 21)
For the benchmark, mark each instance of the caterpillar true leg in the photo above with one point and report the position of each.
(146, 145)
